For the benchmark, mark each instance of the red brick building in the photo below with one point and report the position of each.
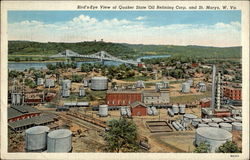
(232, 92)
(16, 113)
(122, 98)
(138, 109)
(205, 103)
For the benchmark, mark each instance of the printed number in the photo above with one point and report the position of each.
(234, 155)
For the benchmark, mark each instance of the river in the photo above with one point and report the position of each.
(21, 66)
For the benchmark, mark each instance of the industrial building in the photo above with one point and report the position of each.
(122, 97)
(76, 104)
(232, 93)
(138, 109)
(153, 98)
(16, 113)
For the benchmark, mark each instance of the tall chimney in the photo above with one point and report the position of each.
(213, 87)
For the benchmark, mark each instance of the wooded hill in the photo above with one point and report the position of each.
(122, 50)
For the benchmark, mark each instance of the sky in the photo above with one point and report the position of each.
(204, 28)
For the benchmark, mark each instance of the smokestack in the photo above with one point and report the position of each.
(213, 87)
(218, 91)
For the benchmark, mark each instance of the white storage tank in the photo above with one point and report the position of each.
(196, 121)
(154, 110)
(40, 81)
(16, 98)
(202, 87)
(237, 126)
(165, 84)
(149, 111)
(66, 84)
(128, 112)
(175, 109)
(99, 83)
(66, 93)
(103, 110)
(85, 83)
(202, 125)
(206, 120)
(215, 137)
(188, 118)
(226, 126)
(123, 111)
(217, 120)
(158, 86)
(182, 108)
(238, 119)
(82, 92)
(170, 112)
(36, 139)
(59, 141)
(185, 88)
(213, 125)
(49, 83)
(139, 84)
(190, 82)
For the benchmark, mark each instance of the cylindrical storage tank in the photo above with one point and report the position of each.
(226, 119)
(196, 121)
(202, 125)
(238, 119)
(185, 88)
(237, 126)
(13, 99)
(66, 84)
(202, 87)
(213, 125)
(123, 111)
(36, 139)
(18, 98)
(215, 137)
(182, 108)
(49, 83)
(149, 111)
(158, 86)
(176, 126)
(82, 92)
(165, 84)
(170, 112)
(103, 110)
(205, 120)
(231, 119)
(217, 120)
(85, 83)
(99, 83)
(40, 81)
(175, 109)
(139, 84)
(59, 141)
(154, 110)
(128, 112)
(66, 93)
(190, 82)
(188, 118)
(226, 126)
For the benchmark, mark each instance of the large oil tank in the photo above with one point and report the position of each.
(226, 126)
(40, 81)
(66, 93)
(182, 108)
(185, 88)
(49, 83)
(239, 119)
(190, 82)
(66, 84)
(188, 118)
(175, 109)
(215, 137)
(170, 112)
(85, 83)
(82, 92)
(103, 110)
(59, 141)
(237, 126)
(36, 138)
(99, 83)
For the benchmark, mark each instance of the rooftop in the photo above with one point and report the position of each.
(136, 103)
(15, 111)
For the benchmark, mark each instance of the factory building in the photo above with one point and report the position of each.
(122, 98)
(152, 97)
(24, 117)
(205, 102)
(138, 109)
(232, 93)
(16, 113)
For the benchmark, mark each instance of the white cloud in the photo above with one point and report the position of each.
(141, 18)
(85, 28)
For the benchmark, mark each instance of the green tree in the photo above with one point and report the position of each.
(202, 148)
(122, 136)
(228, 147)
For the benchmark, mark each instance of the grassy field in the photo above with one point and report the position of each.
(188, 98)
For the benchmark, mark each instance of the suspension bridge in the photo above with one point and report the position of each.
(102, 56)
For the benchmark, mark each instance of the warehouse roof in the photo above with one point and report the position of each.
(137, 103)
(38, 120)
(15, 111)
(123, 91)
